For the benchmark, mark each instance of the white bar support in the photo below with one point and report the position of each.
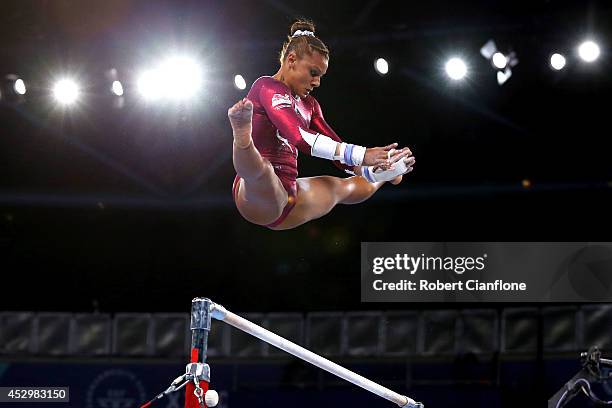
(220, 313)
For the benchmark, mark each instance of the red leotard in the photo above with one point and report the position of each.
(279, 119)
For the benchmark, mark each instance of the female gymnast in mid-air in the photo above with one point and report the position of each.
(279, 117)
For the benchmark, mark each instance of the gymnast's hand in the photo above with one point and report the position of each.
(394, 157)
(403, 154)
(389, 156)
(378, 156)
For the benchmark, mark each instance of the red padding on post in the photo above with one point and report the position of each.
(190, 399)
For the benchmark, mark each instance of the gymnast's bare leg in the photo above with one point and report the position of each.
(260, 197)
(317, 196)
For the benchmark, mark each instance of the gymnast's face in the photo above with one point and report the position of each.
(304, 74)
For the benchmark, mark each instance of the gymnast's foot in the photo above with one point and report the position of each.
(241, 119)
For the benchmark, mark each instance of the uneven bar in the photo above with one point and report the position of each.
(220, 313)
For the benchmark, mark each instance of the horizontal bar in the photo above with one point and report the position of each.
(220, 313)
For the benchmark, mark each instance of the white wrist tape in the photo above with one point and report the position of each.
(398, 168)
(350, 154)
(320, 145)
(325, 147)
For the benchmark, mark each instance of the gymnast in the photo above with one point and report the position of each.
(277, 119)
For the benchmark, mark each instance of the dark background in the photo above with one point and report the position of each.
(131, 210)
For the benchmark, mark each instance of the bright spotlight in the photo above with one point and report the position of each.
(488, 49)
(117, 88)
(176, 78)
(182, 77)
(503, 76)
(12, 88)
(381, 66)
(588, 51)
(239, 82)
(150, 84)
(456, 69)
(66, 91)
(557, 61)
(502, 63)
(499, 60)
(19, 87)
